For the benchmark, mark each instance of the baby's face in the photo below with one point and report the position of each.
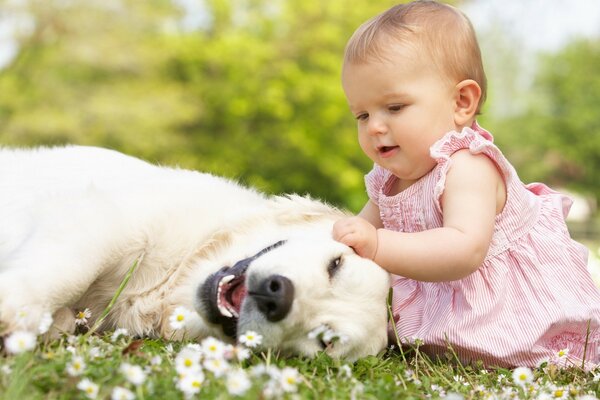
(403, 106)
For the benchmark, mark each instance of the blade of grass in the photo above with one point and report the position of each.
(120, 289)
(391, 318)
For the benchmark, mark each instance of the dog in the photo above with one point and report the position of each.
(75, 221)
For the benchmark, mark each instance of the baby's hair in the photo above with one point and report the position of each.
(444, 34)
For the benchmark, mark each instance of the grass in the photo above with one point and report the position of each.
(46, 373)
(155, 369)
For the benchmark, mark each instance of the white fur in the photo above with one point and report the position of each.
(74, 220)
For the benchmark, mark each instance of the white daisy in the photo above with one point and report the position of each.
(250, 339)
(240, 353)
(237, 382)
(289, 379)
(213, 348)
(94, 352)
(88, 387)
(522, 376)
(120, 393)
(561, 354)
(180, 317)
(76, 366)
(133, 373)
(218, 366)
(191, 384)
(19, 342)
(187, 361)
(45, 323)
(559, 392)
(81, 317)
(118, 333)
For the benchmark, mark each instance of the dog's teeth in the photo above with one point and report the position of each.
(224, 311)
(226, 279)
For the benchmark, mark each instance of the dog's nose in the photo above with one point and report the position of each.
(274, 297)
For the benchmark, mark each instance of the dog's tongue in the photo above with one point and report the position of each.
(238, 294)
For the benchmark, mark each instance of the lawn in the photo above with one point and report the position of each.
(116, 366)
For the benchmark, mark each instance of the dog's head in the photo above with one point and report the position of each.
(303, 294)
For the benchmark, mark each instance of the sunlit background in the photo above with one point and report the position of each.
(250, 89)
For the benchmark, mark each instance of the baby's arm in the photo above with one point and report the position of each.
(473, 194)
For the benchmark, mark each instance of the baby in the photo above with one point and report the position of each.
(481, 261)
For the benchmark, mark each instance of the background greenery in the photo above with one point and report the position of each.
(252, 91)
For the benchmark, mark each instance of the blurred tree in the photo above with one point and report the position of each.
(557, 138)
(251, 92)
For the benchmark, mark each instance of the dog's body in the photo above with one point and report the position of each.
(74, 220)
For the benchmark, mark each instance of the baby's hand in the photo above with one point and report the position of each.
(357, 233)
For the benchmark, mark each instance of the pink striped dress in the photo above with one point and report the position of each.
(531, 297)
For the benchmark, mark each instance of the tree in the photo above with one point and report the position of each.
(557, 139)
(253, 92)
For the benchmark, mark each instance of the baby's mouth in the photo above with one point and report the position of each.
(386, 150)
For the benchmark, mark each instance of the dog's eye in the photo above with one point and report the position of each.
(334, 265)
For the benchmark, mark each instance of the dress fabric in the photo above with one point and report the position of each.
(531, 297)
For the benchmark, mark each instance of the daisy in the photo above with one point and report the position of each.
(559, 392)
(94, 352)
(76, 366)
(81, 317)
(250, 339)
(45, 323)
(237, 382)
(522, 376)
(118, 333)
(217, 366)
(191, 384)
(19, 342)
(120, 393)
(88, 387)
(213, 348)
(289, 379)
(187, 361)
(240, 353)
(180, 317)
(561, 354)
(133, 373)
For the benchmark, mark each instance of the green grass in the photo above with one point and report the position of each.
(43, 374)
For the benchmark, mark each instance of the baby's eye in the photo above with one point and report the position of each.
(362, 117)
(395, 107)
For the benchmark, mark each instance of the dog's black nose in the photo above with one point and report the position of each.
(274, 297)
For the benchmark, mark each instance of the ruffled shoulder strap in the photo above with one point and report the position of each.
(478, 141)
(375, 181)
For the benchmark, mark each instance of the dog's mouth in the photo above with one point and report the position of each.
(223, 293)
(230, 294)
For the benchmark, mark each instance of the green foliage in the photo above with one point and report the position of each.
(251, 92)
(557, 138)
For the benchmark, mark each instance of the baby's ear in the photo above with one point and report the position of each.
(467, 95)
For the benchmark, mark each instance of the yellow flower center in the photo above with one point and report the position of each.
(180, 318)
(188, 362)
(558, 393)
(522, 377)
(196, 384)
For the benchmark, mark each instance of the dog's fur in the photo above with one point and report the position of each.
(73, 220)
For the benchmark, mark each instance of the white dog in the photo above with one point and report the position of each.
(74, 220)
